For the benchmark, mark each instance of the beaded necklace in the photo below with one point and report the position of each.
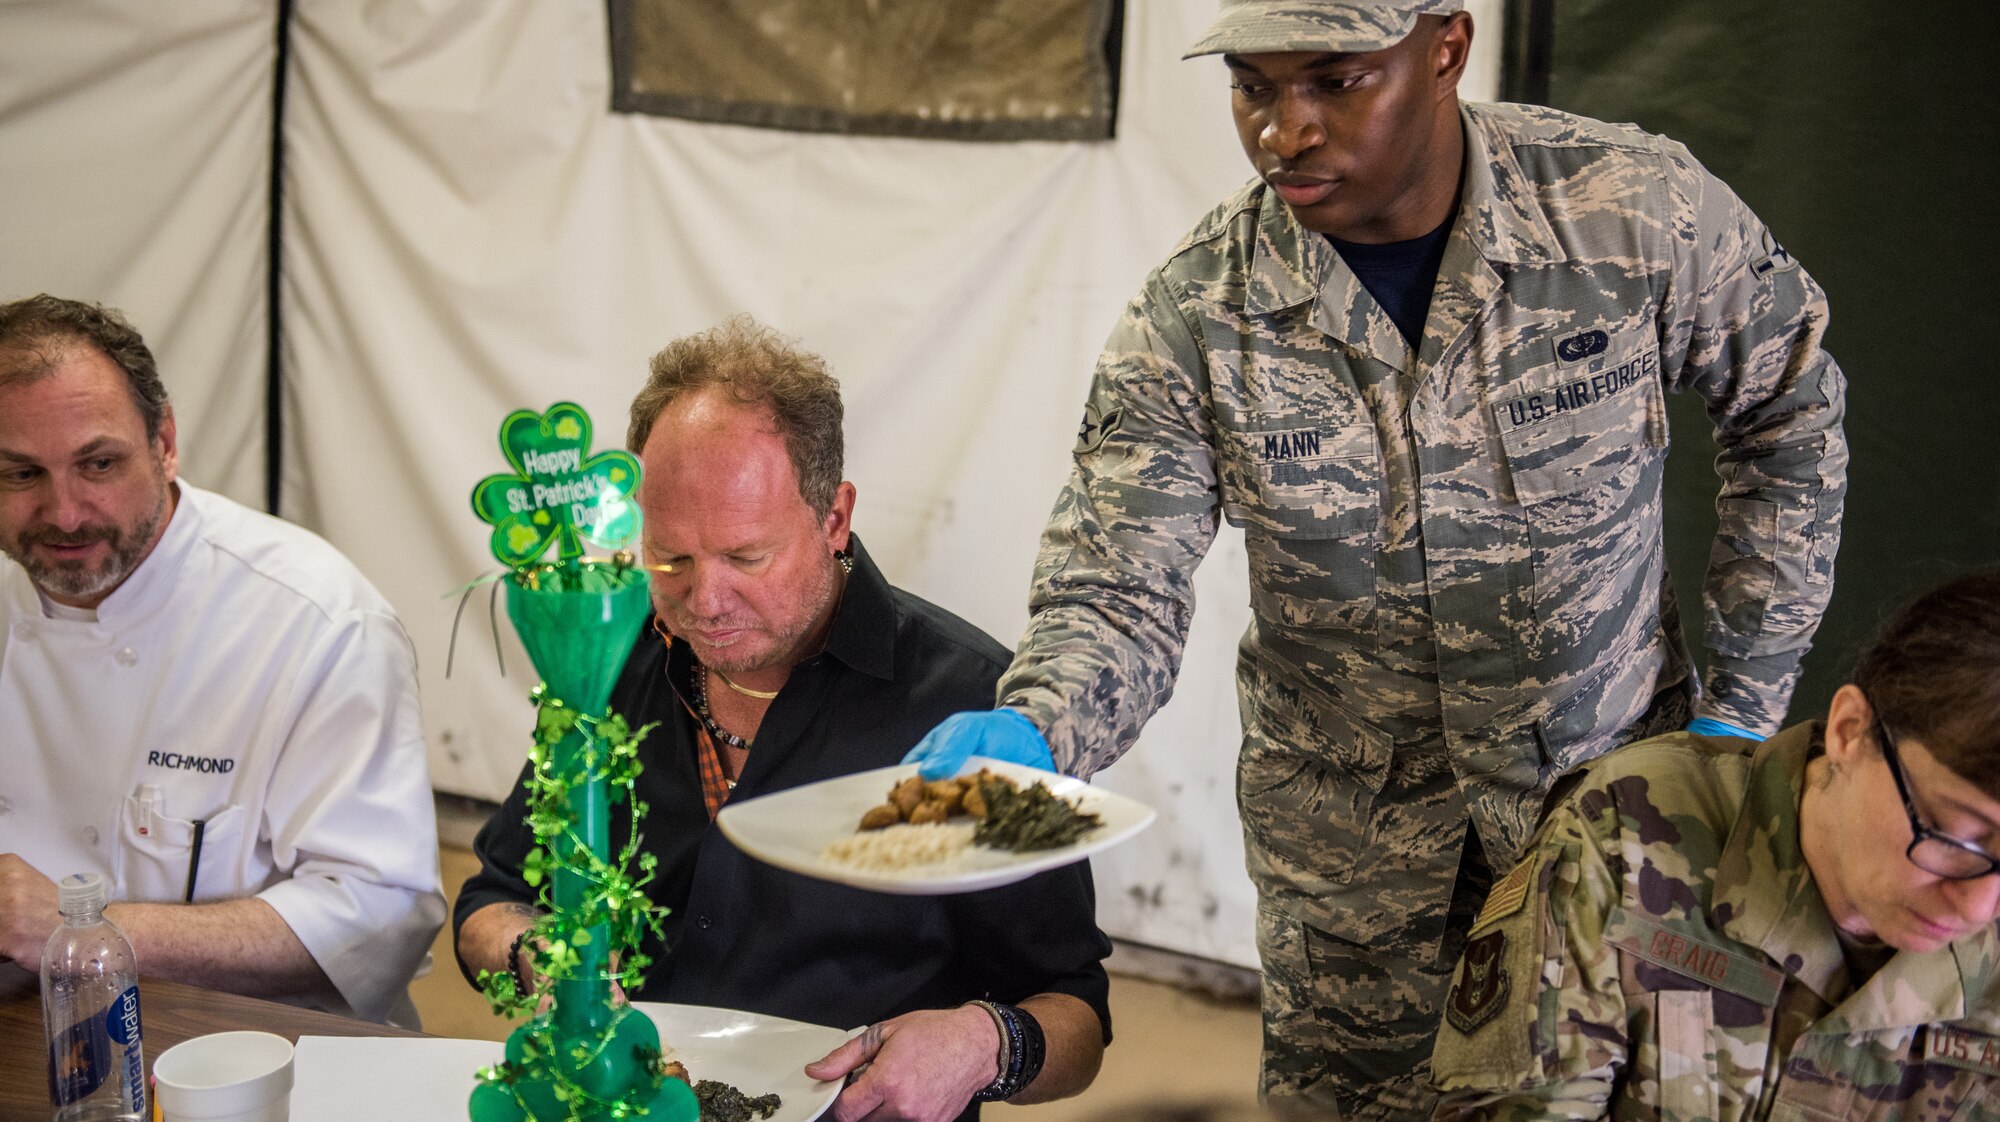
(708, 719)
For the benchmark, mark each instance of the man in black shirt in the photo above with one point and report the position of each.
(780, 656)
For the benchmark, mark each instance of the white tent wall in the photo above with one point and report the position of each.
(468, 230)
(134, 151)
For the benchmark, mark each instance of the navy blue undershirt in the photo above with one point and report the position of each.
(1400, 275)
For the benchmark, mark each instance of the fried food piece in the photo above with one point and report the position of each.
(907, 795)
(930, 811)
(950, 792)
(881, 817)
(674, 1069)
(976, 801)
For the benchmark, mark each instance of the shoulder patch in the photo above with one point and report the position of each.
(1511, 893)
(1694, 954)
(1483, 987)
(1958, 1048)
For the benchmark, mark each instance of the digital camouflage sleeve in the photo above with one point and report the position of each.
(1742, 325)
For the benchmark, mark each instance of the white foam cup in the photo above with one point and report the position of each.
(225, 1077)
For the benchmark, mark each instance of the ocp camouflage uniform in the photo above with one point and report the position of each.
(1455, 554)
(1663, 952)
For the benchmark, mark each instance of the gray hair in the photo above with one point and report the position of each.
(41, 330)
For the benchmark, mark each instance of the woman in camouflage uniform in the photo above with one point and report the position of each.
(1710, 928)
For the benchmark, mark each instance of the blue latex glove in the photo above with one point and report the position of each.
(1709, 726)
(1000, 734)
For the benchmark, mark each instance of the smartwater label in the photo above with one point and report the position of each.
(121, 1024)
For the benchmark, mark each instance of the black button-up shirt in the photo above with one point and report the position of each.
(744, 935)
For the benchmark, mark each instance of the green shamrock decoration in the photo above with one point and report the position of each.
(579, 1056)
(557, 492)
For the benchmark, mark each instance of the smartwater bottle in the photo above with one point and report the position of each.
(90, 1009)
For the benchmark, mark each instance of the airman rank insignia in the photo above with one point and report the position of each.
(1483, 987)
(1096, 426)
(1776, 258)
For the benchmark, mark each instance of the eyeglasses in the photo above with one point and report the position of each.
(1937, 854)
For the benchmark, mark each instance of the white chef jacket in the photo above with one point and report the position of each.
(248, 677)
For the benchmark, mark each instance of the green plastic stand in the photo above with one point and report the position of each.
(578, 642)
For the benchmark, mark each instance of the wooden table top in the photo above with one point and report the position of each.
(170, 1012)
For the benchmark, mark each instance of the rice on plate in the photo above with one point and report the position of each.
(903, 847)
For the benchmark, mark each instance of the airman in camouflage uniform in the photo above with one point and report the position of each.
(1664, 952)
(1456, 564)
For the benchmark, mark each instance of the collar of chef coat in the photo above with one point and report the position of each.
(1765, 897)
(149, 587)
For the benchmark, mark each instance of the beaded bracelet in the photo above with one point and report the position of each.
(1037, 1046)
(514, 958)
(1023, 1047)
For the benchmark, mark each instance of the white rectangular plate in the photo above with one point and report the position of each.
(790, 829)
(409, 1080)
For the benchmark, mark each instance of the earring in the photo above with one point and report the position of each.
(846, 560)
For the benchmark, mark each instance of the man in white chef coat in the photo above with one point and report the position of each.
(207, 705)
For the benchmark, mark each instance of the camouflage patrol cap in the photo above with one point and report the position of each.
(1344, 26)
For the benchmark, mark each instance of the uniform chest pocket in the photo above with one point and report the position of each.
(1961, 1073)
(1974, 1099)
(1571, 426)
(1585, 445)
(1308, 496)
(157, 855)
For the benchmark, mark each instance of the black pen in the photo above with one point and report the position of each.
(194, 857)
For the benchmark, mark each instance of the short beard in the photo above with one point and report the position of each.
(77, 580)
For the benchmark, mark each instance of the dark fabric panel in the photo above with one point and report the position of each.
(1865, 137)
(274, 249)
(953, 69)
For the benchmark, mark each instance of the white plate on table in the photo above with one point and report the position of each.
(755, 1054)
(791, 829)
(397, 1079)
